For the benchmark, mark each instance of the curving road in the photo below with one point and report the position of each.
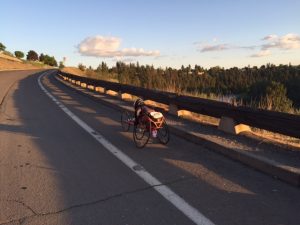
(53, 172)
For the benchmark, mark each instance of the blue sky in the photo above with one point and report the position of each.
(163, 33)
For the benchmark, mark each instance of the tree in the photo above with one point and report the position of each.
(2, 47)
(19, 54)
(276, 97)
(293, 87)
(104, 68)
(42, 57)
(32, 56)
(50, 60)
(270, 95)
(61, 65)
(81, 67)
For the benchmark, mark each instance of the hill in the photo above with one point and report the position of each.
(12, 63)
(74, 70)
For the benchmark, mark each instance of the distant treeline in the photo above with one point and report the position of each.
(269, 86)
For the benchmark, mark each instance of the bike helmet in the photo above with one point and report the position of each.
(138, 102)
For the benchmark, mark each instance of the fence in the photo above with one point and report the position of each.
(283, 123)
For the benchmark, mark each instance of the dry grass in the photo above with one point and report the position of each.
(10, 58)
(13, 63)
(276, 137)
(88, 73)
(6, 64)
(208, 120)
(74, 70)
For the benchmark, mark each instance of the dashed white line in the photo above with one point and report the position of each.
(191, 212)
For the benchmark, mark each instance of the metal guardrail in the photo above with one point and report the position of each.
(283, 123)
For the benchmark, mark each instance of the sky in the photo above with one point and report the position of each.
(163, 33)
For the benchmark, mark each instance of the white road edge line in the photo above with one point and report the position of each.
(191, 212)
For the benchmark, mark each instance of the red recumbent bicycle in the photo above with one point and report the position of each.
(152, 125)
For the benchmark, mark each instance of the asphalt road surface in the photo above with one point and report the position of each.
(54, 172)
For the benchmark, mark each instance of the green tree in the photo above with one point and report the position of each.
(61, 65)
(50, 60)
(293, 93)
(81, 67)
(41, 57)
(276, 97)
(270, 95)
(2, 47)
(104, 68)
(19, 54)
(32, 56)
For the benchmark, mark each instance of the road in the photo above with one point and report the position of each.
(53, 172)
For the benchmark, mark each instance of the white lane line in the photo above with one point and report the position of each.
(191, 212)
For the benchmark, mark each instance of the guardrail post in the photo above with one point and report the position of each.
(229, 125)
(91, 87)
(184, 113)
(100, 89)
(111, 92)
(124, 96)
(64, 78)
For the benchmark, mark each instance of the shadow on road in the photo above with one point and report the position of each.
(91, 186)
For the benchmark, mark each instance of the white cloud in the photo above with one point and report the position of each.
(219, 47)
(286, 42)
(138, 52)
(270, 37)
(222, 47)
(100, 46)
(262, 53)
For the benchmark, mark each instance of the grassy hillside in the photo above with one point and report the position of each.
(12, 63)
(74, 70)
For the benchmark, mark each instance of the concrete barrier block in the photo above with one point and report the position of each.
(100, 89)
(242, 128)
(125, 96)
(184, 113)
(229, 125)
(112, 93)
(83, 85)
(151, 103)
(91, 87)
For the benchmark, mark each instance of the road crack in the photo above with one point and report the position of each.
(20, 220)
(86, 204)
(19, 202)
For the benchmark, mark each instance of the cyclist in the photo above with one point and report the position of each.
(140, 109)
